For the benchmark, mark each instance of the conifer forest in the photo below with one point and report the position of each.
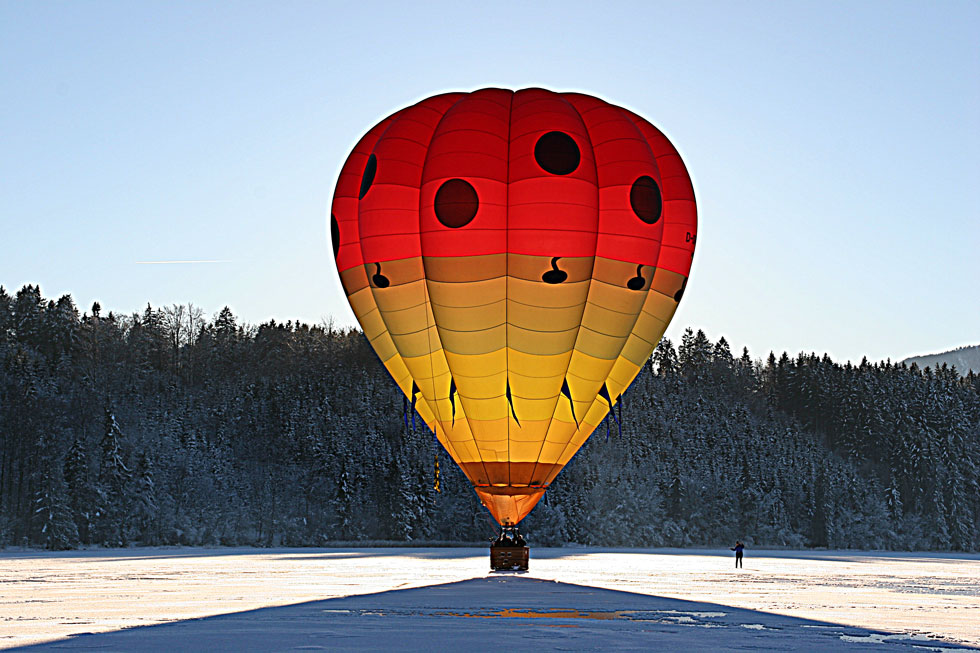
(171, 427)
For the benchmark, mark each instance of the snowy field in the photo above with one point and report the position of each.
(175, 599)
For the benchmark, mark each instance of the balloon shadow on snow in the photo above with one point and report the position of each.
(503, 612)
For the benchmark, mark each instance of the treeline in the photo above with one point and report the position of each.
(166, 427)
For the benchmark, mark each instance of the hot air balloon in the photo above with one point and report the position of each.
(513, 258)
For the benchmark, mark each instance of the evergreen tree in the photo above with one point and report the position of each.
(82, 495)
(55, 527)
(664, 358)
(114, 485)
(145, 503)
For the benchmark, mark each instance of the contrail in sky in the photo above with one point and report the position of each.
(181, 262)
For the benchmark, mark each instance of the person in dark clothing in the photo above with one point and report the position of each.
(738, 548)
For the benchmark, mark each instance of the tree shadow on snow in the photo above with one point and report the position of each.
(457, 551)
(499, 612)
(286, 553)
(554, 553)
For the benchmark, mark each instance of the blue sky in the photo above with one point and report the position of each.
(834, 147)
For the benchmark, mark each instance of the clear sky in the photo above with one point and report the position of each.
(834, 147)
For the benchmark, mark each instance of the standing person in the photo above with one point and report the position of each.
(738, 548)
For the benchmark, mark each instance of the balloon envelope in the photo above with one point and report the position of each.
(513, 258)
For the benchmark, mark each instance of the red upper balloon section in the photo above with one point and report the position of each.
(526, 172)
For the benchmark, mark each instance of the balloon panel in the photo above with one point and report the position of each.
(513, 258)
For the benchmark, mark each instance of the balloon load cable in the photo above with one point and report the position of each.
(435, 441)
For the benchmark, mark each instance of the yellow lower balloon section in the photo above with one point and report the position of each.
(512, 373)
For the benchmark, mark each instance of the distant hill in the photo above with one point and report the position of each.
(964, 358)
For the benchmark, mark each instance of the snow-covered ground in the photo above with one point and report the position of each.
(603, 598)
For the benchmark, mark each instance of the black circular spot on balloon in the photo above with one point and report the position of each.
(456, 203)
(370, 169)
(557, 153)
(554, 275)
(637, 282)
(379, 279)
(680, 292)
(646, 200)
(334, 234)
